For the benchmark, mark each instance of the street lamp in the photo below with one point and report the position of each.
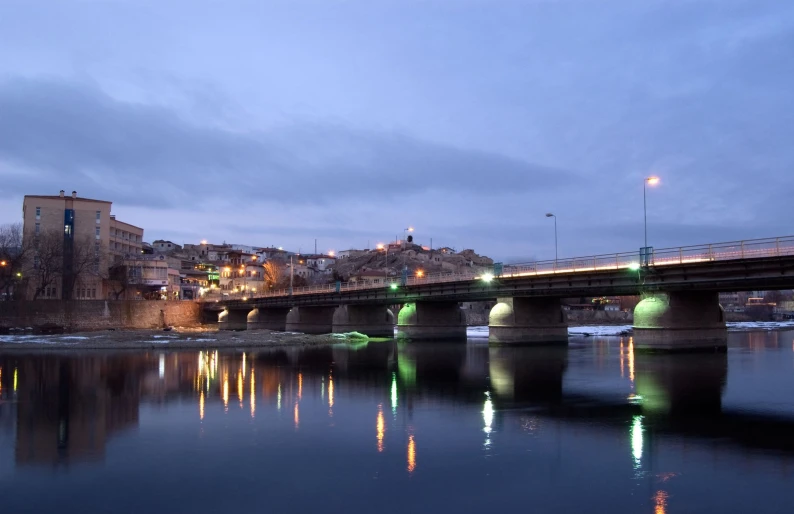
(409, 229)
(650, 181)
(550, 215)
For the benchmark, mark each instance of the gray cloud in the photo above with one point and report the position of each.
(220, 113)
(64, 129)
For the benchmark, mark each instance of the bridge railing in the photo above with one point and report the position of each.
(748, 249)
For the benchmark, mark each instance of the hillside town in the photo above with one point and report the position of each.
(74, 248)
(95, 255)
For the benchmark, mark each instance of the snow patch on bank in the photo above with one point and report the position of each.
(760, 325)
(481, 332)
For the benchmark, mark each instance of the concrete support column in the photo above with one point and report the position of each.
(270, 318)
(528, 321)
(233, 319)
(680, 321)
(434, 321)
(372, 320)
(310, 320)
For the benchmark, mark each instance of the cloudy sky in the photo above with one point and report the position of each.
(278, 122)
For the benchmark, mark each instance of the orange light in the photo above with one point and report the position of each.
(380, 246)
(652, 180)
(2, 263)
(420, 273)
(380, 427)
(411, 454)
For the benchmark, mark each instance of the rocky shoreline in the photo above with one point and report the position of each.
(174, 339)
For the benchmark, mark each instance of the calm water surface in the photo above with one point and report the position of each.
(386, 427)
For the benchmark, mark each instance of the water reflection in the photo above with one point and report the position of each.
(380, 428)
(527, 407)
(411, 454)
(674, 385)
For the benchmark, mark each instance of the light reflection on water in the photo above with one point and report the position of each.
(629, 433)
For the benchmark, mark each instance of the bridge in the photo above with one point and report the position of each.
(679, 311)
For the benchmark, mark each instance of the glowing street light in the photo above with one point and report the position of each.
(420, 273)
(487, 277)
(650, 181)
(331, 253)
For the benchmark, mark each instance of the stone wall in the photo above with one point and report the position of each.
(599, 317)
(75, 315)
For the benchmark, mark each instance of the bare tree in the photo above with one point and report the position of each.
(297, 281)
(88, 263)
(118, 278)
(47, 260)
(273, 273)
(14, 257)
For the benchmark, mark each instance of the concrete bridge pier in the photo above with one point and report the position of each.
(234, 319)
(372, 320)
(680, 321)
(527, 321)
(270, 318)
(310, 320)
(431, 321)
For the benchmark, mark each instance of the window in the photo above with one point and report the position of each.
(97, 232)
(98, 216)
(54, 293)
(38, 228)
(93, 293)
(36, 262)
(38, 213)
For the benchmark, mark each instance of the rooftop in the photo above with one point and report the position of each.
(56, 197)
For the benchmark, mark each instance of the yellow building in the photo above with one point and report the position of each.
(71, 241)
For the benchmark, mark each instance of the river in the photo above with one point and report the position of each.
(384, 427)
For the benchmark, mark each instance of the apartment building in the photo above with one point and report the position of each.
(125, 239)
(71, 237)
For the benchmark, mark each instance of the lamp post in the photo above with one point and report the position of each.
(291, 274)
(550, 215)
(650, 181)
(409, 229)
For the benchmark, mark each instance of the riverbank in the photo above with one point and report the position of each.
(212, 338)
(177, 338)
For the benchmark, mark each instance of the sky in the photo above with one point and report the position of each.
(346, 121)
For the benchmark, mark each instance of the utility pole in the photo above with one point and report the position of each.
(315, 246)
(291, 274)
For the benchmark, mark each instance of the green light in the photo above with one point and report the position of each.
(393, 286)
(635, 432)
(634, 266)
(394, 393)
(487, 277)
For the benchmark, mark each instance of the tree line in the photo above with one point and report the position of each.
(43, 265)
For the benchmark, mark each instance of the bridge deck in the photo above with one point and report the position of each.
(735, 266)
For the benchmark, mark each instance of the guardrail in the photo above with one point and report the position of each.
(734, 250)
